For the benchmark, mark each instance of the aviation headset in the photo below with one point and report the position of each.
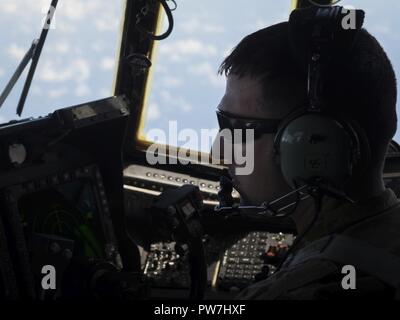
(315, 144)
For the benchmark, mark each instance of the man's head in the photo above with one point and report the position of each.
(264, 81)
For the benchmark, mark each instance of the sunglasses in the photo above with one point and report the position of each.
(259, 126)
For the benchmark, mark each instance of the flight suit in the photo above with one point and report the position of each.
(365, 235)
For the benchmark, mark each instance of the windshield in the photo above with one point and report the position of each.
(77, 61)
(185, 87)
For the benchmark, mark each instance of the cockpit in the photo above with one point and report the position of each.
(111, 107)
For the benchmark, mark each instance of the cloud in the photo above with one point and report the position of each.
(9, 7)
(104, 15)
(65, 27)
(171, 82)
(228, 50)
(268, 21)
(184, 105)
(77, 70)
(3, 119)
(98, 46)
(104, 25)
(79, 10)
(82, 90)
(153, 113)
(380, 29)
(57, 93)
(23, 7)
(2, 72)
(194, 25)
(37, 90)
(175, 102)
(161, 68)
(107, 21)
(62, 47)
(16, 52)
(180, 49)
(49, 72)
(107, 63)
(105, 92)
(83, 69)
(208, 72)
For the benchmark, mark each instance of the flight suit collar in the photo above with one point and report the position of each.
(336, 216)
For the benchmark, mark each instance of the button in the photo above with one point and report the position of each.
(67, 254)
(54, 247)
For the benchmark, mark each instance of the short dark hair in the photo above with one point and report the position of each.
(362, 87)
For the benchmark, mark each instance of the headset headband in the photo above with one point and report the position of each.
(319, 34)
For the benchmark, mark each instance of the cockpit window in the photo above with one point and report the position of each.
(185, 86)
(77, 61)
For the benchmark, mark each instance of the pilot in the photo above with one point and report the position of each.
(352, 249)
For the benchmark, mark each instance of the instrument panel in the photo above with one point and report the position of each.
(232, 264)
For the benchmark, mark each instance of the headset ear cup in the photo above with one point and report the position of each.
(278, 136)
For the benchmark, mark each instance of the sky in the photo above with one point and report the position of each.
(186, 87)
(77, 63)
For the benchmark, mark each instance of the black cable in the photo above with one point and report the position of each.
(175, 5)
(295, 205)
(167, 33)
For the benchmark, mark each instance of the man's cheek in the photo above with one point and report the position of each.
(244, 158)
